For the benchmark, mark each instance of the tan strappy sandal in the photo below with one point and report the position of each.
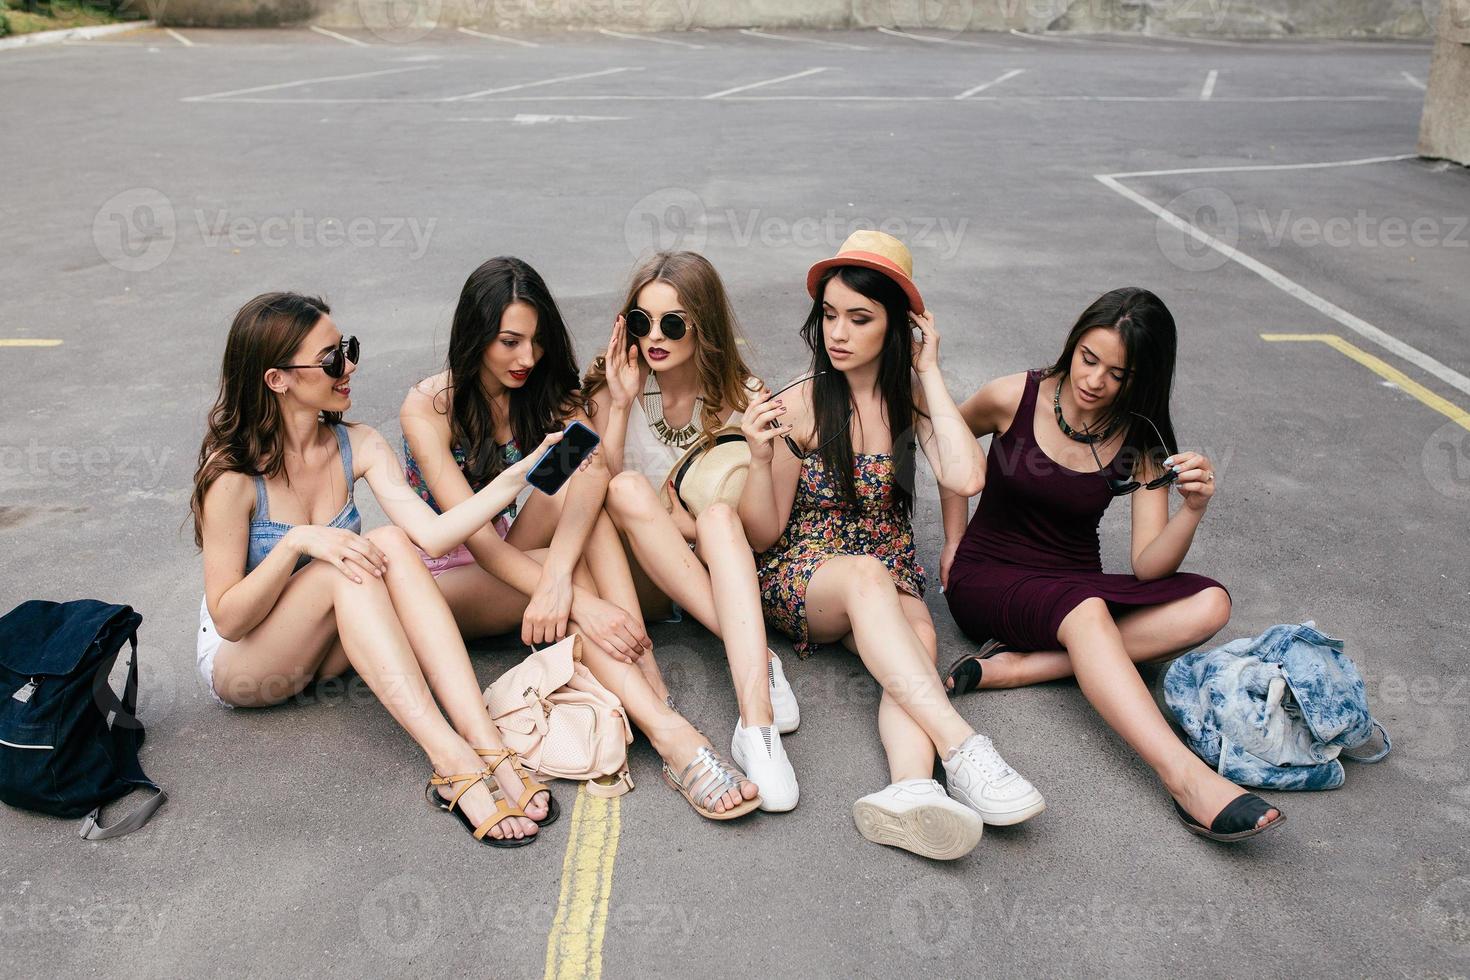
(503, 808)
(532, 785)
(707, 778)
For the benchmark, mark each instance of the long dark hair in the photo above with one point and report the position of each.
(1150, 343)
(243, 433)
(832, 396)
(548, 395)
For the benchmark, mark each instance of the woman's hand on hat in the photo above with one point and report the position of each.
(624, 375)
(926, 346)
(761, 424)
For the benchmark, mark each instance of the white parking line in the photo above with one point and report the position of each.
(304, 81)
(1105, 42)
(941, 40)
(985, 85)
(802, 40)
(1292, 288)
(650, 39)
(545, 81)
(1209, 86)
(178, 37)
(1413, 81)
(769, 81)
(499, 37)
(340, 37)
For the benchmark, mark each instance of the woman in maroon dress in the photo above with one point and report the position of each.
(1025, 578)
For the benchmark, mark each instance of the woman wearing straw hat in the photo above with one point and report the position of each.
(671, 383)
(828, 504)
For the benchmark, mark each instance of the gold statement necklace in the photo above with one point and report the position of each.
(653, 408)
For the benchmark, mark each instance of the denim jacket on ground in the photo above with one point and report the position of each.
(1273, 711)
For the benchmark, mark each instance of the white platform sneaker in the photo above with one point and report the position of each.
(783, 698)
(916, 815)
(757, 750)
(983, 781)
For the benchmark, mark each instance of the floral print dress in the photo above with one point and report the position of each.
(823, 526)
(510, 453)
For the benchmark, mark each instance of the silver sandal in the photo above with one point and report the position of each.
(710, 777)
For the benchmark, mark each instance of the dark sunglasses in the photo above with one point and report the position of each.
(334, 363)
(671, 325)
(1122, 488)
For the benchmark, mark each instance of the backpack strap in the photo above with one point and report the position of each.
(622, 783)
(126, 733)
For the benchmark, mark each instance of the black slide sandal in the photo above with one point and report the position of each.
(1236, 822)
(964, 674)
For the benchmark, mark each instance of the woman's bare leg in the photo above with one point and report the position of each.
(440, 650)
(660, 549)
(1109, 678)
(672, 736)
(855, 594)
(910, 753)
(286, 650)
(723, 547)
(1150, 633)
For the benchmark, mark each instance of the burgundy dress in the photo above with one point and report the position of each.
(1031, 553)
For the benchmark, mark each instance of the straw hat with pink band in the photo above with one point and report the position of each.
(714, 469)
(879, 252)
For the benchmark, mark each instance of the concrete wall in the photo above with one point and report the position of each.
(1444, 129)
(1227, 18)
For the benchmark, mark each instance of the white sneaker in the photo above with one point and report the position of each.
(916, 816)
(757, 750)
(783, 698)
(983, 781)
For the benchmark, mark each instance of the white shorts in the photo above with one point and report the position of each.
(204, 651)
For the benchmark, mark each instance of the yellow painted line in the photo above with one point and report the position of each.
(1384, 370)
(574, 946)
(27, 342)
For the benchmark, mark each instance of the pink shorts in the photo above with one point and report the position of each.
(457, 558)
(460, 556)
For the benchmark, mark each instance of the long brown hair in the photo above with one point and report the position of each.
(244, 429)
(721, 370)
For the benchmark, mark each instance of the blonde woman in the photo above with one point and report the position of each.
(672, 375)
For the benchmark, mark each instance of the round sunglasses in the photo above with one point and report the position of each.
(640, 324)
(1121, 488)
(334, 362)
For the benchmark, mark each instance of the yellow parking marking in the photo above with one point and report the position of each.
(28, 342)
(574, 946)
(1384, 370)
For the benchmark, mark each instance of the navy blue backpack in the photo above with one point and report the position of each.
(59, 751)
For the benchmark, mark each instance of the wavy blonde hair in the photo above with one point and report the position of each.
(721, 370)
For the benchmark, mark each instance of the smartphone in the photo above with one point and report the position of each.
(557, 464)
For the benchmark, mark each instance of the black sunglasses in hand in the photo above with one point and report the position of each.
(334, 363)
(1121, 488)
